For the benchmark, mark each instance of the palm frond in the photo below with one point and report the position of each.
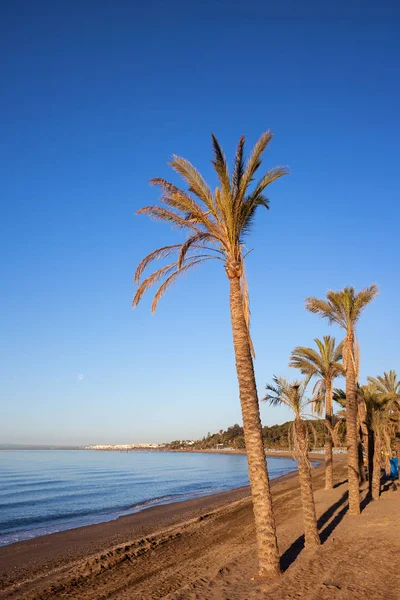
(324, 309)
(288, 393)
(163, 214)
(318, 403)
(343, 307)
(192, 212)
(388, 383)
(215, 222)
(221, 168)
(194, 240)
(156, 255)
(176, 198)
(254, 161)
(246, 212)
(238, 169)
(339, 396)
(362, 299)
(151, 280)
(172, 278)
(271, 176)
(195, 181)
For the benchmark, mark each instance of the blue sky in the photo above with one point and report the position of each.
(95, 98)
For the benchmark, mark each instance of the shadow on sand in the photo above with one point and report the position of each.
(326, 525)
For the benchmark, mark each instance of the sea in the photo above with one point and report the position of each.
(45, 491)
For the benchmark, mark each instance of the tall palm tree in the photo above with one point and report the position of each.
(291, 394)
(345, 308)
(324, 364)
(216, 223)
(363, 393)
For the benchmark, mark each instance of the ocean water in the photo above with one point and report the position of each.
(44, 491)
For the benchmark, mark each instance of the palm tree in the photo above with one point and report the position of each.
(216, 224)
(389, 384)
(324, 364)
(345, 308)
(291, 394)
(378, 407)
(363, 396)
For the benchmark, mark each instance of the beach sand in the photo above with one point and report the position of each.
(205, 549)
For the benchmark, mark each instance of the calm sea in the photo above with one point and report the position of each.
(44, 491)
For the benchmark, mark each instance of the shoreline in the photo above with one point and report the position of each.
(55, 551)
(153, 504)
(150, 540)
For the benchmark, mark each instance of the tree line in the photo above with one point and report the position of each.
(216, 223)
(277, 437)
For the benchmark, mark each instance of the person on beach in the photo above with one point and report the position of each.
(394, 467)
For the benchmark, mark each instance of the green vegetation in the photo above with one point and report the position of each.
(276, 437)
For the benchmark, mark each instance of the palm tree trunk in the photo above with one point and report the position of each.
(267, 543)
(364, 430)
(397, 434)
(371, 452)
(361, 470)
(328, 439)
(388, 452)
(376, 476)
(312, 540)
(351, 422)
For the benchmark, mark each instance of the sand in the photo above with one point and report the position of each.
(205, 549)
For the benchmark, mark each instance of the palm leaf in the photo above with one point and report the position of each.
(156, 255)
(221, 167)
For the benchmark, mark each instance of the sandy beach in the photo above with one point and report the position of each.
(205, 549)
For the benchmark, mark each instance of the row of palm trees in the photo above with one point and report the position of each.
(216, 223)
(378, 420)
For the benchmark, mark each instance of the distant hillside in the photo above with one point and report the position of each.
(275, 436)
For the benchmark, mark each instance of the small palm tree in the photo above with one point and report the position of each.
(216, 223)
(389, 384)
(323, 364)
(291, 394)
(345, 308)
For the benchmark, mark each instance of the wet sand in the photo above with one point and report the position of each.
(205, 549)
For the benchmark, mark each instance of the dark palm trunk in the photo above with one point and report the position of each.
(371, 450)
(397, 434)
(312, 540)
(364, 434)
(387, 451)
(361, 469)
(328, 439)
(376, 475)
(268, 553)
(351, 423)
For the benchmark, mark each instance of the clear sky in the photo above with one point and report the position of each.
(95, 97)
